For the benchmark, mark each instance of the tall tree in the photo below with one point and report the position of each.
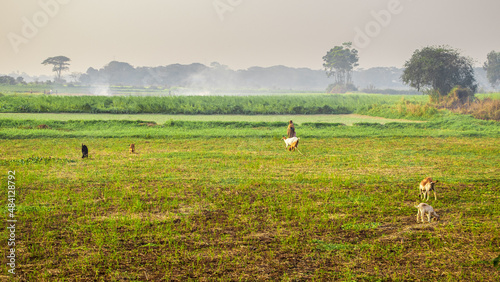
(59, 63)
(439, 68)
(340, 62)
(492, 67)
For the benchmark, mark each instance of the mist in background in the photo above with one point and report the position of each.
(242, 36)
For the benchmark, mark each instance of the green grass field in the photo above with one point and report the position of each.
(217, 197)
(240, 207)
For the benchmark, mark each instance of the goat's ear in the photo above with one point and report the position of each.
(436, 181)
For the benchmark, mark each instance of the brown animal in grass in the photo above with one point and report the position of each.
(132, 148)
(426, 186)
(294, 146)
(291, 143)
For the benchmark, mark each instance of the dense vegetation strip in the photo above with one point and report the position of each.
(254, 105)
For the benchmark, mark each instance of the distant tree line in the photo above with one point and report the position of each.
(340, 62)
(200, 75)
(217, 76)
(9, 80)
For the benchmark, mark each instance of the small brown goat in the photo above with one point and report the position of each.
(132, 148)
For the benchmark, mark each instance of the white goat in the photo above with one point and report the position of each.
(424, 208)
(290, 141)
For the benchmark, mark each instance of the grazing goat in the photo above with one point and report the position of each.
(294, 146)
(291, 143)
(85, 151)
(426, 186)
(423, 209)
(132, 148)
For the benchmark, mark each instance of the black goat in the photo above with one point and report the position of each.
(85, 151)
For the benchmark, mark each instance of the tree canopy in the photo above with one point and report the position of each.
(492, 67)
(340, 62)
(59, 63)
(440, 69)
(5, 79)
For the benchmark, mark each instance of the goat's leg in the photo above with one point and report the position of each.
(435, 198)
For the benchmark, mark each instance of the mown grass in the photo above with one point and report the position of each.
(348, 119)
(237, 206)
(448, 125)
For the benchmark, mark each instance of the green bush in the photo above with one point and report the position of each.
(340, 88)
(368, 124)
(322, 124)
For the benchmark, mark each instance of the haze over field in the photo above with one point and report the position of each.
(238, 33)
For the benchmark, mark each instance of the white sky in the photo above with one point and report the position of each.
(295, 33)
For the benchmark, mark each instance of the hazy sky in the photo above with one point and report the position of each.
(238, 33)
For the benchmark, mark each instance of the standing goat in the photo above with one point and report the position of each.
(423, 209)
(85, 151)
(426, 186)
(291, 144)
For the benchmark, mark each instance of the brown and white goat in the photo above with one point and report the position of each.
(426, 186)
(291, 143)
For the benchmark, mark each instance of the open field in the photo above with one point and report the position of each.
(217, 197)
(449, 125)
(240, 207)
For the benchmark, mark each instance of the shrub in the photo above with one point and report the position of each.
(408, 109)
(368, 124)
(322, 124)
(487, 109)
(462, 100)
(340, 88)
(434, 95)
(459, 96)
